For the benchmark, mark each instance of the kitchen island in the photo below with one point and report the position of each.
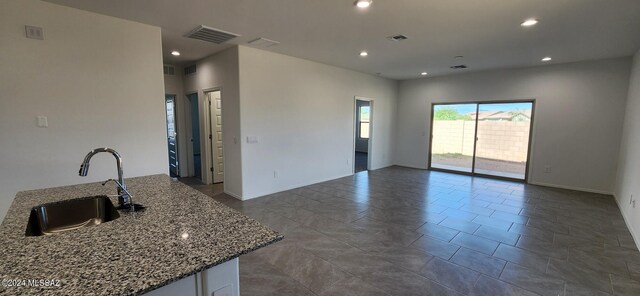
(183, 238)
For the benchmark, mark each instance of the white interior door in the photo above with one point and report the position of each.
(215, 109)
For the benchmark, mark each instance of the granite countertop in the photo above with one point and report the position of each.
(181, 232)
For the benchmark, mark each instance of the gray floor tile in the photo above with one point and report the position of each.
(484, 211)
(436, 231)
(499, 235)
(405, 257)
(504, 216)
(475, 242)
(541, 247)
(573, 289)
(352, 286)
(311, 271)
(580, 275)
(532, 232)
(495, 223)
(505, 208)
(479, 262)
(533, 281)
(597, 262)
(461, 225)
(489, 286)
(436, 247)
(522, 257)
(625, 286)
(451, 275)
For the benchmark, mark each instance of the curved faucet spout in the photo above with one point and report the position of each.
(123, 198)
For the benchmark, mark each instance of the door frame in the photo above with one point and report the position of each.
(189, 119)
(355, 132)
(209, 129)
(478, 103)
(175, 126)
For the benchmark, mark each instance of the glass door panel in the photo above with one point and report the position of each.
(503, 139)
(452, 137)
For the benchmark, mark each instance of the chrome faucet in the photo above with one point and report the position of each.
(124, 198)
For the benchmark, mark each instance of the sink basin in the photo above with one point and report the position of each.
(71, 214)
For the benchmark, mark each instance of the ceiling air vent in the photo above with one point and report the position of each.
(169, 70)
(263, 42)
(211, 35)
(398, 37)
(190, 70)
(459, 67)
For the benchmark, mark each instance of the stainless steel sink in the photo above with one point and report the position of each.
(68, 215)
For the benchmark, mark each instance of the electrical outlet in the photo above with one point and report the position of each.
(275, 174)
(32, 32)
(348, 161)
(547, 169)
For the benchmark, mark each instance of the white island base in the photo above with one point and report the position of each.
(220, 280)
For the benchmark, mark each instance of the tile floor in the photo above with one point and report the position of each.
(401, 231)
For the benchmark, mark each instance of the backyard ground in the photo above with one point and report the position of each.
(483, 165)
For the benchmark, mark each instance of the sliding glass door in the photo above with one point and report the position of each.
(453, 131)
(482, 138)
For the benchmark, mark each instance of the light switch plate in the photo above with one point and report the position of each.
(42, 121)
(252, 139)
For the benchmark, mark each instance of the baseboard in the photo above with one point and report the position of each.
(635, 237)
(256, 195)
(233, 194)
(571, 188)
(410, 166)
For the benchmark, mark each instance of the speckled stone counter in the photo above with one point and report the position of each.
(181, 232)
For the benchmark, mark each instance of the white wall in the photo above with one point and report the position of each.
(302, 114)
(99, 81)
(173, 85)
(220, 71)
(578, 117)
(629, 165)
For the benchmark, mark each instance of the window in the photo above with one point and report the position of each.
(364, 122)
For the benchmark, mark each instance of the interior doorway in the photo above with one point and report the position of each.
(172, 135)
(214, 99)
(363, 130)
(195, 135)
(482, 138)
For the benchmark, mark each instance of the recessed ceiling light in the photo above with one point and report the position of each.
(546, 59)
(364, 53)
(175, 53)
(529, 23)
(424, 73)
(363, 3)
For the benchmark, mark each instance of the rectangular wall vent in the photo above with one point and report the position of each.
(190, 70)
(263, 42)
(211, 35)
(169, 70)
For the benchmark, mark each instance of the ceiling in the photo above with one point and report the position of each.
(487, 33)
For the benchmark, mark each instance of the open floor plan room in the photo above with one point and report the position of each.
(320, 147)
